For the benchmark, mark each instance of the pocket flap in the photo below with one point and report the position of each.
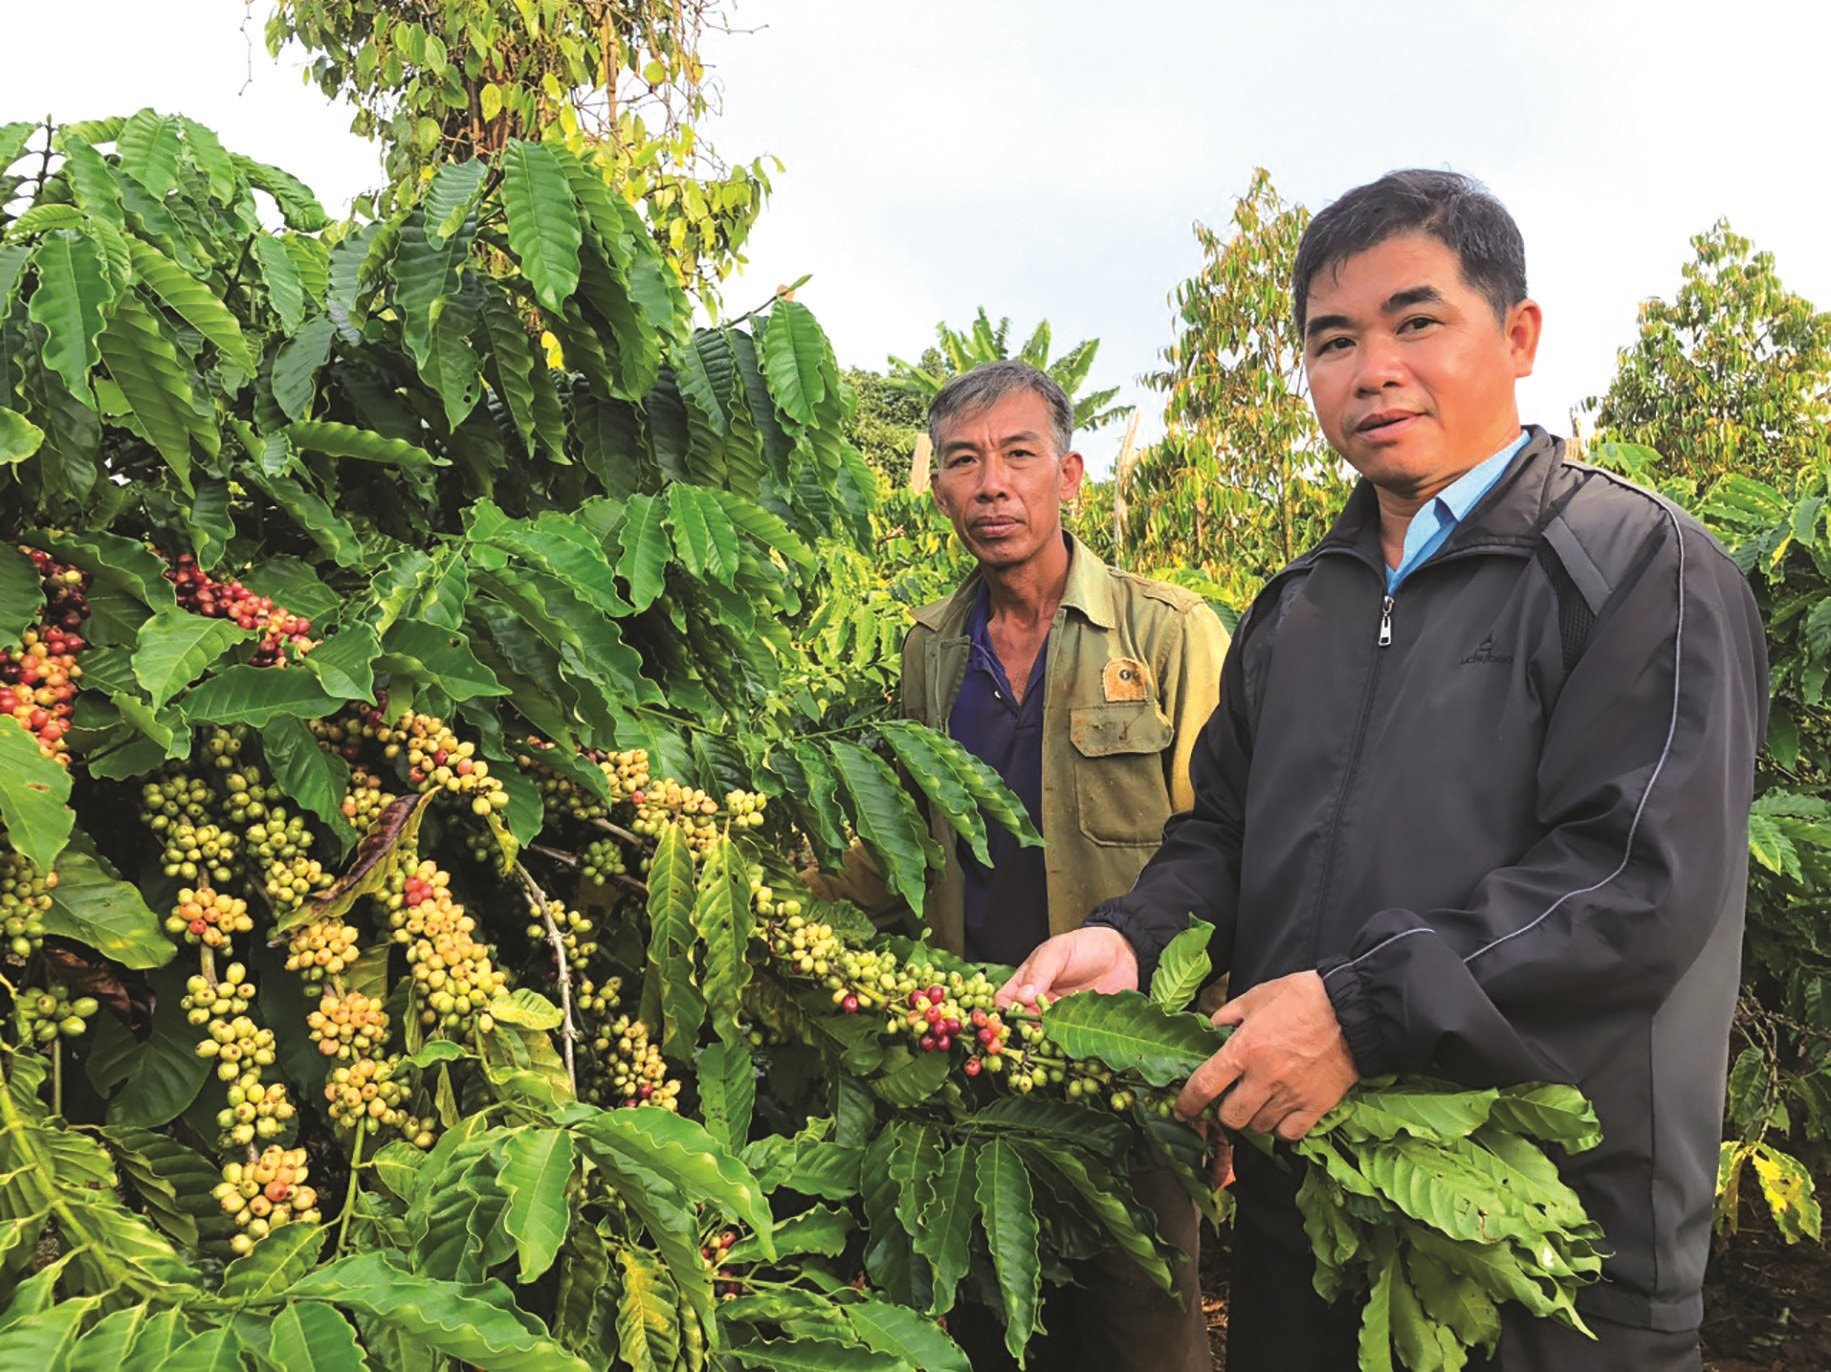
(1132, 726)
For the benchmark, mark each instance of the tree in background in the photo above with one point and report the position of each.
(620, 81)
(1732, 375)
(960, 350)
(1242, 480)
(886, 426)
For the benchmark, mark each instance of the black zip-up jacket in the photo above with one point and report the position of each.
(1504, 812)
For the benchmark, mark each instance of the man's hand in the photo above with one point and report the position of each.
(1094, 959)
(1287, 1064)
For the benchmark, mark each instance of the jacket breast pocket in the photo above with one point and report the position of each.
(1120, 794)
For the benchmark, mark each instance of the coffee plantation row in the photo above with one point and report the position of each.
(412, 628)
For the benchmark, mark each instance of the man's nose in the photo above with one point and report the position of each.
(1380, 365)
(994, 479)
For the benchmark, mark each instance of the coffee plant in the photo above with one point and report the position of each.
(408, 622)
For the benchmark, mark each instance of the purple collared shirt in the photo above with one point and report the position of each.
(1007, 904)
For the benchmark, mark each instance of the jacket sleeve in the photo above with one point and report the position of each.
(1197, 870)
(1190, 684)
(1643, 790)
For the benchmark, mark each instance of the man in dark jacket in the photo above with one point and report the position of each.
(1475, 799)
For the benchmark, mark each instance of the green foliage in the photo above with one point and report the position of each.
(960, 350)
(1731, 377)
(1779, 1081)
(1242, 481)
(623, 86)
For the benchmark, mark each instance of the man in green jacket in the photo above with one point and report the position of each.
(1085, 688)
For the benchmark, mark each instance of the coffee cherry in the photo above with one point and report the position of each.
(202, 594)
(47, 1014)
(25, 897)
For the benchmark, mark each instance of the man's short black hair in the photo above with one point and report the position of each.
(1458, 211)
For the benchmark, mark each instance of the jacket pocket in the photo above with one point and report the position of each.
(1120, 795)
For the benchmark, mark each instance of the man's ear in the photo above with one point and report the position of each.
(1073, 468)
(1524, 323)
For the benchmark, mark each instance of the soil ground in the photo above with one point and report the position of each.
(1767, 1306)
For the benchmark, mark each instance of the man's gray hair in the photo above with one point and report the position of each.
(986, 385)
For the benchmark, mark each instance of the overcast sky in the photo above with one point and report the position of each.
(1045, 158)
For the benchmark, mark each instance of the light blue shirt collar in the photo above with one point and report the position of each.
(1432, 525)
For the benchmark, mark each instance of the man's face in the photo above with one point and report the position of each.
(1411, 374)
(1001, 482)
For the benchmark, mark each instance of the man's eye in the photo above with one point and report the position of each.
(1417, 322)
(1331, 345)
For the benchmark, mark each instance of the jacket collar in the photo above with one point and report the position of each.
(1089, 590)
(1508, 513)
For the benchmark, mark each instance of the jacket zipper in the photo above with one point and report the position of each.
(1382, 640)
(1354, 761)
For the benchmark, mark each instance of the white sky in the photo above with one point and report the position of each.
(1045, 157)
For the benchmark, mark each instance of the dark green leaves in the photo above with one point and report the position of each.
(1008, 1211)
(474, 1321)
(99, 910)
(671, 901)
(537, 1166)
(1130, 1033)
(19, 437)
(175, 647)
(885, 818)
(69, 302)
(794, 353)
(1183, 967)
(543, 218)
(21, 593)
(33, 790)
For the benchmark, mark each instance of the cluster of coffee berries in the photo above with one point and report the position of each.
(266, 1193)
(630, 1070)
(321, 948)
(348, 1025)
(576, 932)
(694, 817)
(745, 808)
(346, 732)
(712, 1253)
(944, 1011)
(602, 860)
(50, 1013)
(241, 1050)
(593, 999)
(559, 793)
(38, 679)
(375, 1092)
(436, 759)
(628, 774)
(202, 594)
(180, 810)
(208, 917)
(365, 800)
(25, 898)
(454, 979)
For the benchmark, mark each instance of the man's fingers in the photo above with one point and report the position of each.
(1243, 1104)
(1296, 1124)
(1206, 1082)
(1038, 975)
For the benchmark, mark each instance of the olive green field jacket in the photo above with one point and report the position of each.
(1134, 671)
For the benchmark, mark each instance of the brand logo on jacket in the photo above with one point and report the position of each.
(1123, 679)
(1485, 653)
